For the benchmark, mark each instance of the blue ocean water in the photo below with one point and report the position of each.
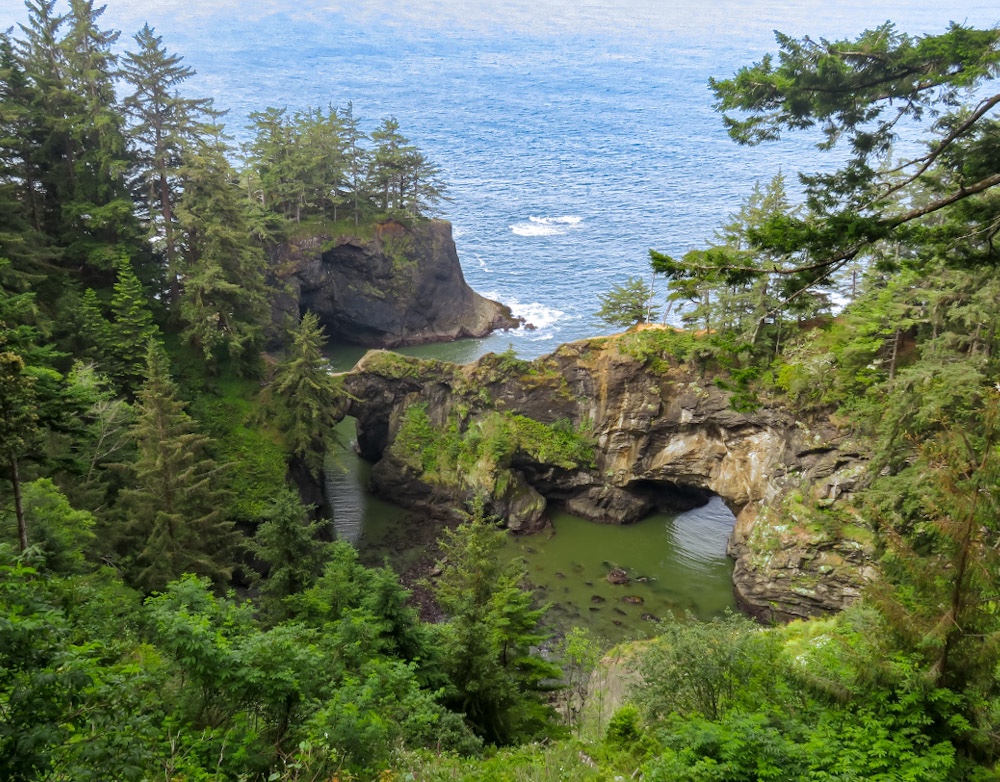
(574, 136)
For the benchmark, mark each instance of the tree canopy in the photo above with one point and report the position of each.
(871, 96)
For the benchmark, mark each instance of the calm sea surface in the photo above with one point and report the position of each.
(574, 136)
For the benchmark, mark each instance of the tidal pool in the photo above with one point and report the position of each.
(675, 565)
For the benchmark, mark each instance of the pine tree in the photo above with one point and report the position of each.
(106, 437)
(223, 299)
(388, 167)
(175, 517)
(323, 148)
(730, 283)
(164, 124)
(306, 398)
(18, 427)
(861, 94)
(133, 330)
(290, 547)
(24, 401)
(629, 304)
(269, 157)
(79, 152)
(21, 240)
(488, 638)
(358, 160)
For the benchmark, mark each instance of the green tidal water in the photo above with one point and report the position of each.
(676, 564)
(343, 356)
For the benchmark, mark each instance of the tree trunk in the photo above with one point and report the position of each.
(895, 354)
(954, 617)
(22, 527)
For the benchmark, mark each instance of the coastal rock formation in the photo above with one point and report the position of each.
(402, 285)
(611, 429)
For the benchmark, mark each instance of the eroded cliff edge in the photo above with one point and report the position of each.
(387, 286)
(610, 429)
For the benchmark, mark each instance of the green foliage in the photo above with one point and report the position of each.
(164, 124)
(316, 163)
(223, 300)
(133, 328)
(548, 761)
(228, 411)
(60, 534)
(290, 549)
(176, 519)
(727, 288)
(490, 442)
(838, 705)
(629, 304)
(624, 728)
(659, 348)
(306, 397)
(739, 747)
(68, 706)
(710, 668)
(859, 91)
(580, 652)
(487, 641)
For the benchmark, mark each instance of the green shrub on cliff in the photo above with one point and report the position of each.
(659, 348)
(487, 443)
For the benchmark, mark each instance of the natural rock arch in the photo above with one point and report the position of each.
(660, 438)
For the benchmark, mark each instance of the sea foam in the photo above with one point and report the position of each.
(546, 226)
(538, 315)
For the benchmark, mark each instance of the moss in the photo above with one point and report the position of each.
(478, 450)
(396, 366)
(417, 441)
(396, 247)
(494, 368)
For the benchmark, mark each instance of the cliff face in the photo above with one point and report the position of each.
(403, 286)
(592, 428)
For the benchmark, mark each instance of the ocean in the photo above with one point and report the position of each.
(574, 135)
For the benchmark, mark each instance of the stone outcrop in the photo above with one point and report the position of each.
(611, 429)
(400, 286)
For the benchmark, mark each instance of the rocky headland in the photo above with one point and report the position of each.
(611, 429)
(387, 286)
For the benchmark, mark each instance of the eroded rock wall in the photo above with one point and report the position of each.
(660, 438)
(401, 286)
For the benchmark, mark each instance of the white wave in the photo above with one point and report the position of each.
(546, 226)
(535, 314)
